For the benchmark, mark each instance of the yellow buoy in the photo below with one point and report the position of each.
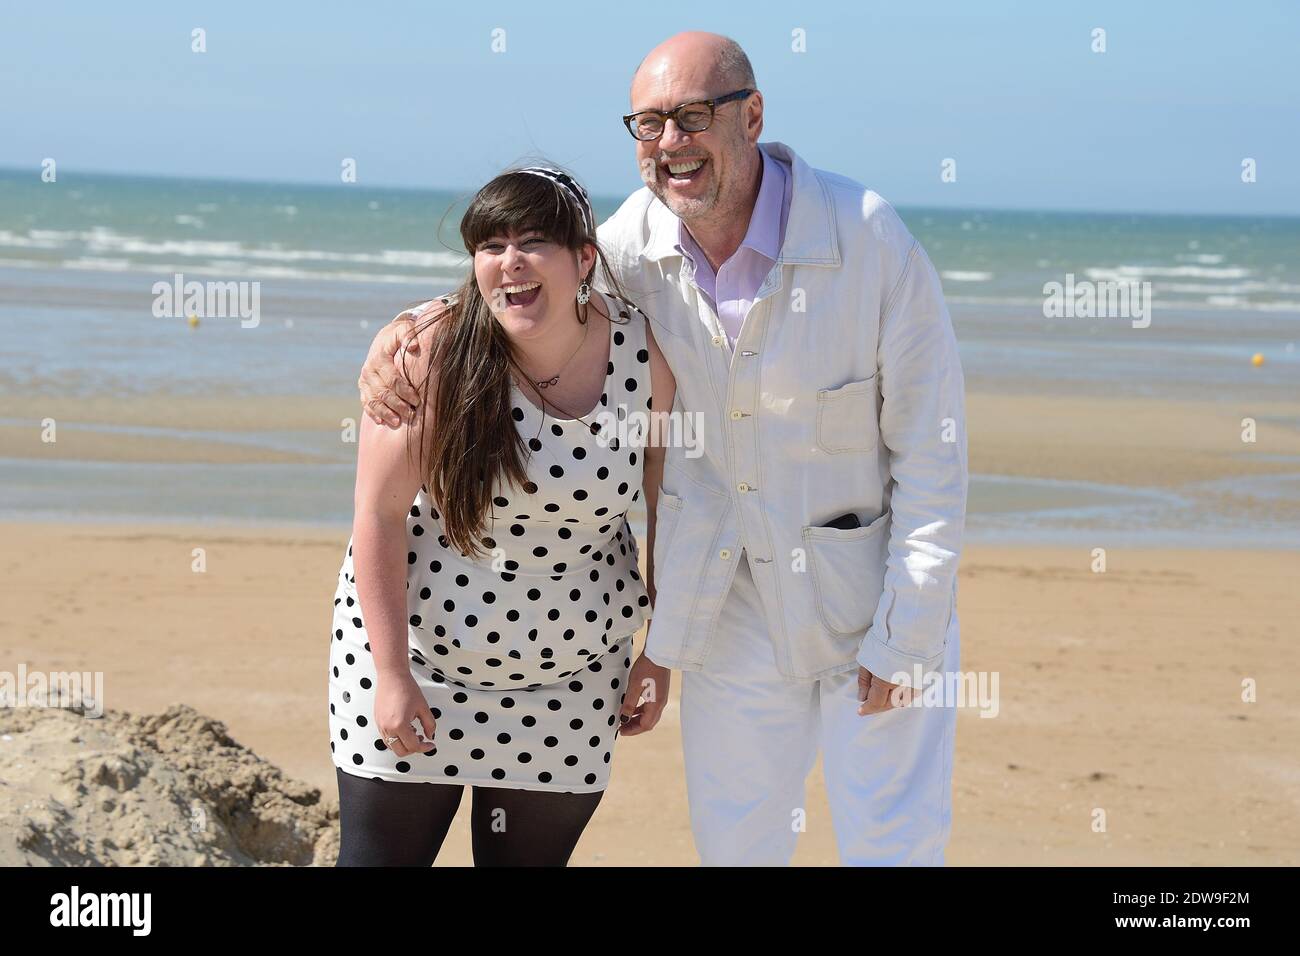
(194, 321)
(1257, 359)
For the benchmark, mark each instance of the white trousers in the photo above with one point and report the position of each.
(750, 738)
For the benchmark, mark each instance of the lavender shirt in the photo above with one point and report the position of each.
(731, 292)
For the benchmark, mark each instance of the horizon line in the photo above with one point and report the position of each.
(468, 191)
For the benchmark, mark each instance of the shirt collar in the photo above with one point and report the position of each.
(810, 235)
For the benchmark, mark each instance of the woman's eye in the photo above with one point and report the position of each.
(495, 247)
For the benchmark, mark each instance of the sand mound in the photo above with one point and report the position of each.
(170, 789)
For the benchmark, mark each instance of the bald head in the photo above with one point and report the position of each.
(710, 175)
(711, 57)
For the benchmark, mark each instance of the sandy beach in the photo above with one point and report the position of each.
(1119, 690)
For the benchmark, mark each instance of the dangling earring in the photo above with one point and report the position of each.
(584, 293)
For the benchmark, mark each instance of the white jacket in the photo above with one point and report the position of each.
(845, 394)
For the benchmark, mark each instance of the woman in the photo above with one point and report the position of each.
(485, 609)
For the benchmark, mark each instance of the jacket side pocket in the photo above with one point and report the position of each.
(848, 573)
(668, 513)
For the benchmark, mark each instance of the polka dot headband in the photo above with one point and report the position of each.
(572, 187)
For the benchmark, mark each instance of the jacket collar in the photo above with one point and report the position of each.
(810, 236)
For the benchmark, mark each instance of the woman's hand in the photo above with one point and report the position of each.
(398, 702)
(646, 696)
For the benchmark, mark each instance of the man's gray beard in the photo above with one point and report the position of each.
(688, 209)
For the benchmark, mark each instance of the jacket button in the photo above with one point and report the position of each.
(743, 486)
(717, 340)
(725, 554)
(736, 414)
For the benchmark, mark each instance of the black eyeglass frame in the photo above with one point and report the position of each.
(673, 114)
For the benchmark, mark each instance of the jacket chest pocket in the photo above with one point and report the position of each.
(848, 417)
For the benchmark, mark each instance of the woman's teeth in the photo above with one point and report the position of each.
(524, 293)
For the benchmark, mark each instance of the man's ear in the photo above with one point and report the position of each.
(756, 117)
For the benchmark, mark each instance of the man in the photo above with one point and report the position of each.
(806, 561)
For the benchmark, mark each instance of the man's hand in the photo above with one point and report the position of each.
(386, 395)
(878, 695)
(645, 697)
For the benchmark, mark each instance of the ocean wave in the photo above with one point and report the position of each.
(1124, 273)
(1236, 304)
(239, 270)
(954, 275)
(392, 258)
(99, 264)
(1241, 288)
(29, 241)
(104, 242)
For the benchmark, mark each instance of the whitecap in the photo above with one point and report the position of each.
(1125, 272)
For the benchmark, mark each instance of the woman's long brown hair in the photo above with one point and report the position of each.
(474, 440)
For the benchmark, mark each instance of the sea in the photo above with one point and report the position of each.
(83, 262)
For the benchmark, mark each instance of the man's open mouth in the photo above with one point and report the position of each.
(685, 171)
(525, 293)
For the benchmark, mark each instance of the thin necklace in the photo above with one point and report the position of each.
(548, 382)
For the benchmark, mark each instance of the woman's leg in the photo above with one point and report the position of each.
(528, 827)
(391, 822)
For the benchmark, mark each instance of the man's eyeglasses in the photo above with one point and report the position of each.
(690, 117)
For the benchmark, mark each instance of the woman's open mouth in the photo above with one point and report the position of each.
(686, 171)
(525, 293)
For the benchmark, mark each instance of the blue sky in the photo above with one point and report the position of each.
(885, 92)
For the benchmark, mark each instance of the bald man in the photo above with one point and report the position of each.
(805, 563)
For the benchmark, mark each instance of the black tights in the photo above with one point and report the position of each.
(395, 823)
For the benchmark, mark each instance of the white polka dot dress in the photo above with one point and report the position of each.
(522, 655)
